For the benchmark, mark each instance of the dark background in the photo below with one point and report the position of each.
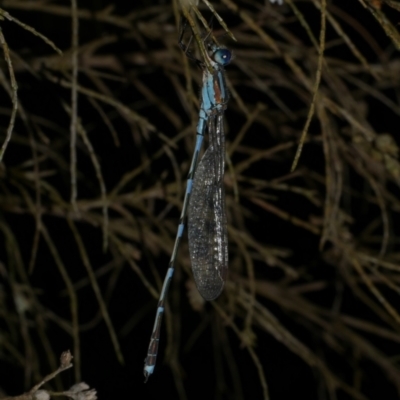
(200, 355)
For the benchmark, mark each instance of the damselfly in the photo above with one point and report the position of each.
(204, 197)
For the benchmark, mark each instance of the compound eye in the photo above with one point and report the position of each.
(222, 57)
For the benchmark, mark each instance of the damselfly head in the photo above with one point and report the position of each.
(222, 56)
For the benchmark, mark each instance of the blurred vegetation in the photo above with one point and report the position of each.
(92, 183)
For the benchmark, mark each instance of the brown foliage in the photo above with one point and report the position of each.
(318, 245)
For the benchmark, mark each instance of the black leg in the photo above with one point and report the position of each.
(211, 22)
(183, 46)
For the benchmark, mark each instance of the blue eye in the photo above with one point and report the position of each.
(222, 57)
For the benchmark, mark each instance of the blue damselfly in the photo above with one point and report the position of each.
(204, 197)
